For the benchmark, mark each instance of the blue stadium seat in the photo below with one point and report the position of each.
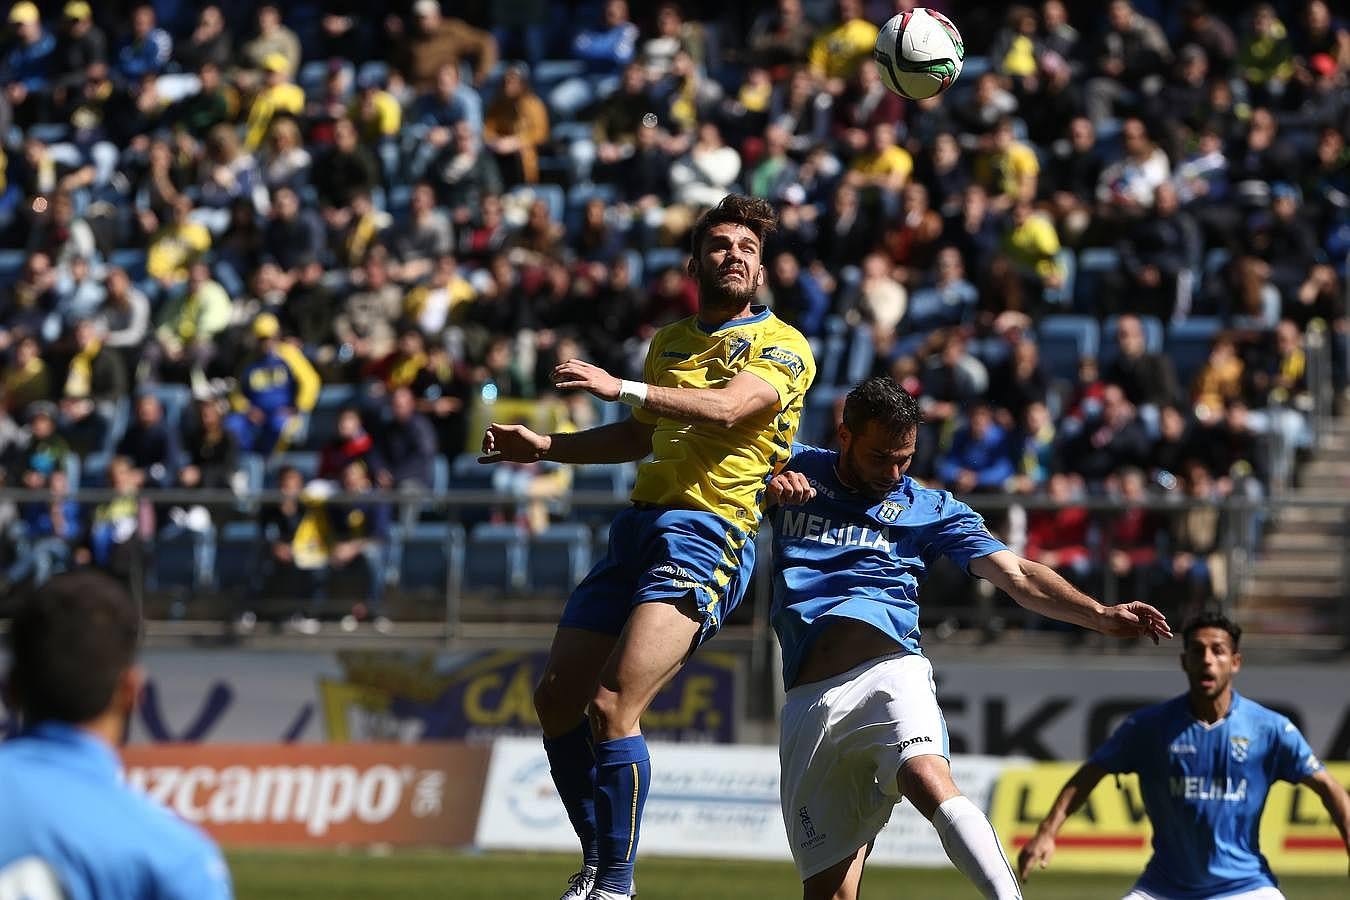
(659, 259)
(1153, 337)
(440, 475)
(1188, 344)
(1095, 265)
(323, 418)
(818, 414)
(254, 469)
(180, 559)
(616, 478)
(468, 474)
(862, 354)
(430, 556)
(1062, 296)
(11, 265)
(551, 194)
(132, 261)
(559, 557)
(239, 547)
(94, 469)
(497, 558)
(1063, 340)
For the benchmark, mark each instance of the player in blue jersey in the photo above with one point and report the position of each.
(861, 729)
(1206, 761)
(69, 828)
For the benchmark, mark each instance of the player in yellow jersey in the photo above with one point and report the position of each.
(717, 409)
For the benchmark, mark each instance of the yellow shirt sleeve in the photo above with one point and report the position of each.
(307, 381)
(1023, 162)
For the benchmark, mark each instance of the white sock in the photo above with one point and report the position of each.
(973, 848)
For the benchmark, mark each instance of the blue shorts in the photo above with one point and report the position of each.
(664, 555)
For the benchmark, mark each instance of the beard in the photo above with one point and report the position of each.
(714, 294)
(852, 476)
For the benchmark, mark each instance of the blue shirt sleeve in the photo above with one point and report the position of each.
(959, 533)
(1120, 753)
(198, 873)
(1294, 759)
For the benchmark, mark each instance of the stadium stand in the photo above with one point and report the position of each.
(455, 218)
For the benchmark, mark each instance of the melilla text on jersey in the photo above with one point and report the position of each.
(1200, 787)
(820, 529)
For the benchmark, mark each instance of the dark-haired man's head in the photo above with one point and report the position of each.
(73, 648)
(877, 436)
(728, 243)
(1209, 654)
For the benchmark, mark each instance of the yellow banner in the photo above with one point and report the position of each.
(1111, 833)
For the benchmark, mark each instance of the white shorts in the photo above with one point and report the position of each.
(1265, 893)
(841, 746)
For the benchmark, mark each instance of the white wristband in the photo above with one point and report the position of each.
(634, 393)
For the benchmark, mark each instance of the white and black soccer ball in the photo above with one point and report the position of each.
(919, 53)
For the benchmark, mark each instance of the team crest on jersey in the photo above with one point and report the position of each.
(736, 346)
(1238, 746)
(889, 511)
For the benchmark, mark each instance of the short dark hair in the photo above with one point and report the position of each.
(1211, 619)
(70, 641)
(735, 209)
(882, 400)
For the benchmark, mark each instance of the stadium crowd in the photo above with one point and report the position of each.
(258, 245)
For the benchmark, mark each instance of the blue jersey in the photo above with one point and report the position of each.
(67, 821)
(1204, 788)
(844, 555)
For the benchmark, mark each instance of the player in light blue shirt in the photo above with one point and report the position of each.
(853, 539)
(69, 828)
(1206, 761)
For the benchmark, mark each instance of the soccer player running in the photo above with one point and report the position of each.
(1206, 761)
(854, 537)
(69, 827)
(720, 401)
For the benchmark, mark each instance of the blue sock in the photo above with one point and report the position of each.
(623, 773)
(571, 761)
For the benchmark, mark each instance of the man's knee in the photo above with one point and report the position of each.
(557, 710)
(611, 717)
(926, 782)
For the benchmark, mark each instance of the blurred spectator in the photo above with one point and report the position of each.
(79, 295)
(293, 235)
(26, 379)
(1029, 263)
(274, 39)
(1110, 440)
(1265, 56)
(1174, 447)
(514, 125)
(1203, 29)
(80, 44)
(597, 240)
(149, 444)
(1262, 159)
(47, 529)
(1156, 253)
(285, 161)
(96, 379)
(865, 104)
(61, 235)
(886, 166)
(377, 113)
(1018, 383)
(447, 105)
(1014, 49)
(797, 298)
(26, 64)
(441, 301)
(911, 241)
(840, 49)
(298, 535)
(209, 43)
(347, 169)
(1219, 379)
(462, 174)
(310, 307)
(983, 109)
(1058, 537)
(275, 390)
(211, 456)
(949, 300)
(188, 325)
(112, 541)
(359, 532)
(435, 41)
(776, 172)
(1057, 35)
(980, 457)
(231, 172)
(1148, 379)
(780, 39)
(366, 317)
(406, 445)
(352, 443)
(124, 317)
(444, 388)
(945, 173)
(1128, 61)
(1285, 379)
(1134, 533)
(1008, 170)
(149, 49)
(1037, 459)
(1202, 176)
(846, 235)
(540, 240)
(176, 245)
(803, 109)
(704, 176)
(1255, 301)
(1051, 98)
(607, 49)
(277, 97)
(974, 231)
(1197, 564)
(1283, 240)
(46, 450)
(1126, 187)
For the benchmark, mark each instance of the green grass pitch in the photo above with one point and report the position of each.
(511, 876)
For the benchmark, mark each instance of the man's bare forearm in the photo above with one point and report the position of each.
(1074, 793)
(1042, 590)
(696, 406)
(1335, 799)
(614, 443)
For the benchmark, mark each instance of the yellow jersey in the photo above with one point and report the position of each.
(708, 467)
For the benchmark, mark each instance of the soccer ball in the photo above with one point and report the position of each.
(919, 54)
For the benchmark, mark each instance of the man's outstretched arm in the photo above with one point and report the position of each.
(1041, 590)
(744, 396)
(1039, 850)
(1335, 799)
(617, 442)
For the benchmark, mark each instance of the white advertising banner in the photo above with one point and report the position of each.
(705, 801)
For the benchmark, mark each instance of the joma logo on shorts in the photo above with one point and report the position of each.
(914, 740)
(807, 827)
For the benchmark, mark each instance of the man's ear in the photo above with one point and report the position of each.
(127, 694)
(692, 267)
(1237, 661)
